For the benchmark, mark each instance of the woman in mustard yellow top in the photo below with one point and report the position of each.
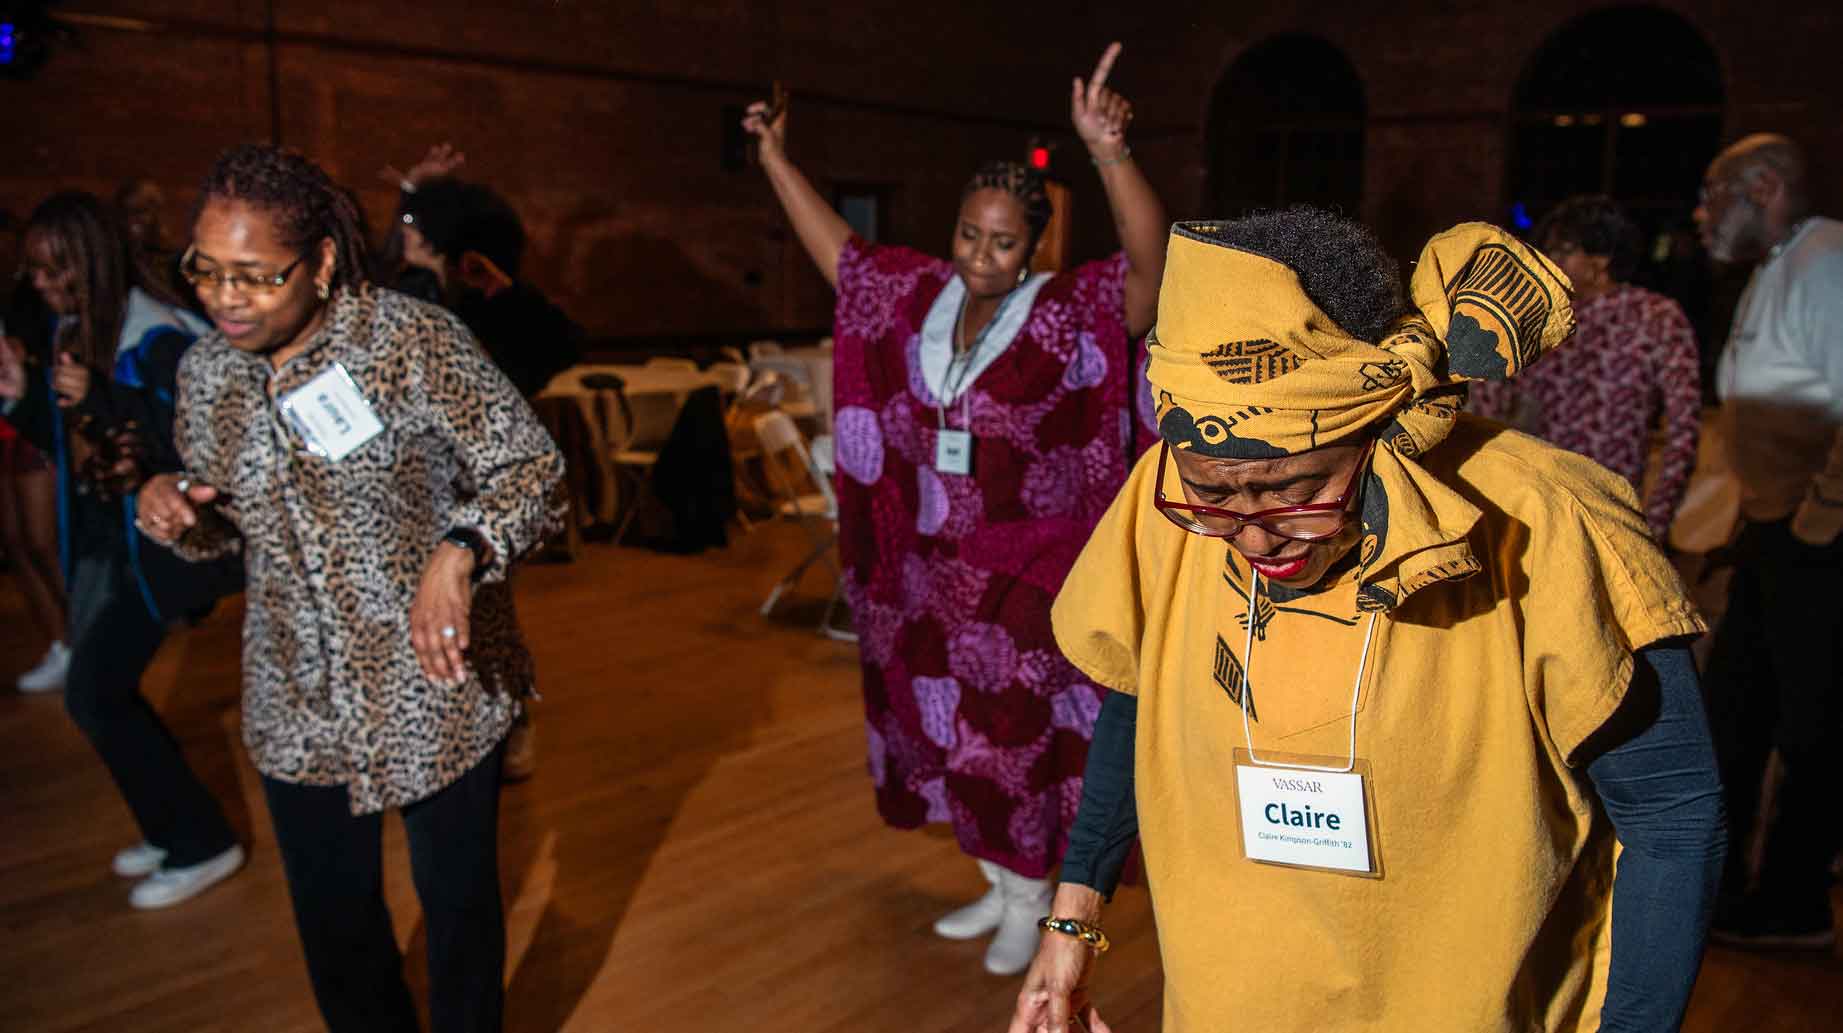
(1376, 718)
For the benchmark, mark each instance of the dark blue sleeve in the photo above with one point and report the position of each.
(142, 389)
(1107, 821)
(1661, 791)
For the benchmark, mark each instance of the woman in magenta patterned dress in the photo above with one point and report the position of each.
(1631, 365)
(984, 422)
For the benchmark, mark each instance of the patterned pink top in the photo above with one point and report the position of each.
(1630, 366)
(973, 716)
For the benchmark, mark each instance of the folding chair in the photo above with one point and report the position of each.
(816, 512)
(801, 398)
(638, 426)
(730, 377)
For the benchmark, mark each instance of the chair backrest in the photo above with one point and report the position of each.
(764, 390)
(822, 392)
(637, 423)
(825, 454)
(778, 435)
(730, 377)
(795, 373)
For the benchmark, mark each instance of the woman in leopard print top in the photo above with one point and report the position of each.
(382, 667)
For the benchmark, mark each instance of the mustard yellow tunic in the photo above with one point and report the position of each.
(1513, 584)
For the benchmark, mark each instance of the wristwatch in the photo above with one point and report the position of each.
(474, 542)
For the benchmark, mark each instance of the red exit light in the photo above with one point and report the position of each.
(1039, 157)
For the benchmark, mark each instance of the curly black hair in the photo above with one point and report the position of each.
(1020, 181)
(1599, 227)
(307, 203)
(456, 216)
(1341, 265)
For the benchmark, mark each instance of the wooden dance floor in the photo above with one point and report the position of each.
(698, 851)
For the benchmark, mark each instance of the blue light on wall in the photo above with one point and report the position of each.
(8, 43)
(1519, 216)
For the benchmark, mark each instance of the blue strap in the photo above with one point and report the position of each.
(134, 560)
(61, 457)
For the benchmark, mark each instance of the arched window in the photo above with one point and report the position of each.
(1286, 127)
(1625, 102)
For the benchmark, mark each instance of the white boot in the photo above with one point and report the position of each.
(1026, 900)
(981, 916)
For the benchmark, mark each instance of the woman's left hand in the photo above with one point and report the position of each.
(1100, 115)
(438, 617)
(71, 380)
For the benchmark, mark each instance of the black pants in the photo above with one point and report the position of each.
(110, 652)
(334, 863)
(1772, 682)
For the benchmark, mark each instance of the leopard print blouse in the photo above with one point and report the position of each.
(332, 692)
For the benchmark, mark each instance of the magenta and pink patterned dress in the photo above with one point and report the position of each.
(973, 716)
(1630, 366)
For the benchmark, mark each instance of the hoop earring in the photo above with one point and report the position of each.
(325, 290)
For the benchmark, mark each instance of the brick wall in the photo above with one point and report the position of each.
(603, 122)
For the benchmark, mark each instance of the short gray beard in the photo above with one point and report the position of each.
(1740, 236)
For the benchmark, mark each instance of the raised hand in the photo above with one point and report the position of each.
(767, 122)
(439, 160)
(1100, 115)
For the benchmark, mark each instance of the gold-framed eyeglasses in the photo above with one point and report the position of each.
(241, 283)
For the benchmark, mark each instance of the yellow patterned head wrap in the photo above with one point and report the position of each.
(1245, 366)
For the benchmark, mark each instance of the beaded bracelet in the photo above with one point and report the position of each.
(1090, 935)
(1101, 163)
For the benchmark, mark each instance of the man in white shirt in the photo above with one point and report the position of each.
(1773, 673)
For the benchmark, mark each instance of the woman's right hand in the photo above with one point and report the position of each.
(12, 369)
(163, 512)
(768, 126)
(1055, 994)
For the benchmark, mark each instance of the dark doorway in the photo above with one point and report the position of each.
(1286, 127)
(1625, 102)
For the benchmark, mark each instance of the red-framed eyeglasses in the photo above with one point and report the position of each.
(1308, 523)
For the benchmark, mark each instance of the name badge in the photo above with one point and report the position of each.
(953, 451)
(330, 414)
(1303, 818)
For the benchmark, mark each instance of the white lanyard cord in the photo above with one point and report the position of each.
(1247, 668)
(966, 367)
(966, 400)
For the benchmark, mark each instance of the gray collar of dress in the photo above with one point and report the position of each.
(937, 337)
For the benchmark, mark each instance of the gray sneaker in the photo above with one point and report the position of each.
(139, 860)
(170, 886)
(48, 676)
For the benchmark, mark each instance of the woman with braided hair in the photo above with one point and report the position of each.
(380, 475)
(984, 417)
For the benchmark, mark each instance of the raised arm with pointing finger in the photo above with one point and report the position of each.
(1100, 117)
(985, 416)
